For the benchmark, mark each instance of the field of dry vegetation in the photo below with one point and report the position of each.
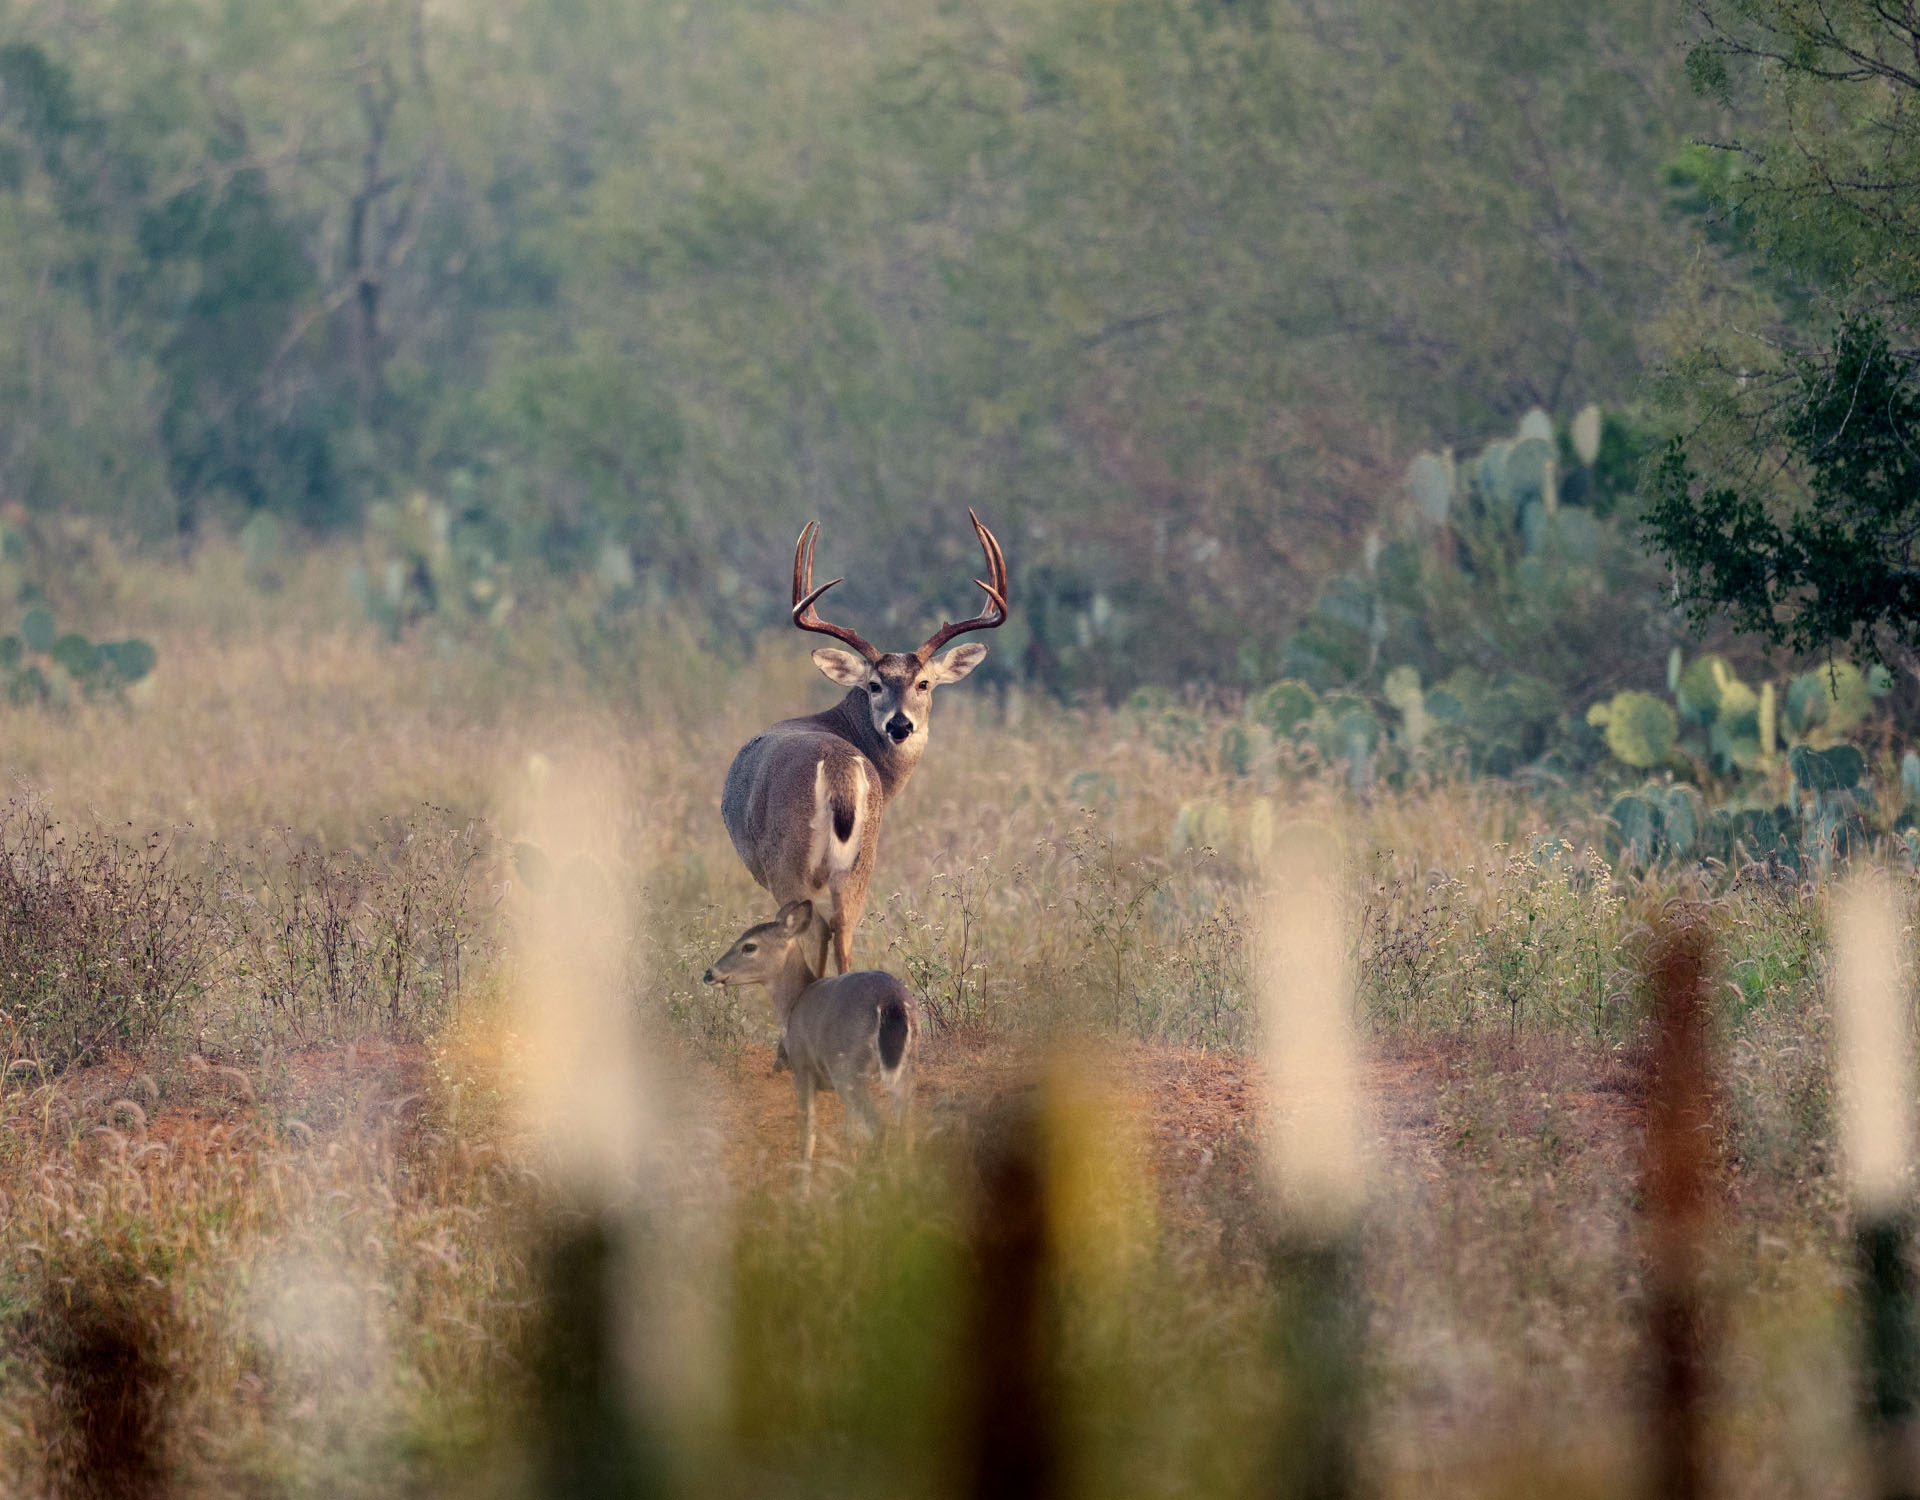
(275, 1218)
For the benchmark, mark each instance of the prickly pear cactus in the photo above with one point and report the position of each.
(36, 629)
(419, 563)
(1345, 727)
(1346, 730)
(38, 666)
(1733, 738)
(1528, 476)
(1243, 747)
(1573, 534)
(1832, 700)
(1585, 434)
(1685, 812)
(1430, 482)
(1099, 789)
(1402, 690)
(1831, 799)
(1697, 689)
(1636, 824)
(1746, 835)
(1285, 708)
(1240, 831)
(262, 548)
(1490, 471)
(1836, 769)
(1659, 822)
(1206, 824)
(1640, 728)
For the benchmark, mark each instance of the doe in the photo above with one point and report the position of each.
(839, 1033)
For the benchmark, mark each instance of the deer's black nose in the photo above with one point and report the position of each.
(899, 726)
(707, 978)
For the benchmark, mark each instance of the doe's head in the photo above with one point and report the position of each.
(760, 953)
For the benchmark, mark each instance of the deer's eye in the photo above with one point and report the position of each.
(874, 688)
(748, 947)
(921, 685)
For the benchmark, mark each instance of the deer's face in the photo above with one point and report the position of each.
(760, 953)
(899, 687)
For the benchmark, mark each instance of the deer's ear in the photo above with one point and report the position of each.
(842, 666)
(796, 917)
(957, 662)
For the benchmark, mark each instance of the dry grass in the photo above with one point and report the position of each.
(334, 1255)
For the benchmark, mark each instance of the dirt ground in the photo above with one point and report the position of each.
(1188, 1119)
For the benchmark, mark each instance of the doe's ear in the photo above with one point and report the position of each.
(842, 666)
(957, 662)
(795, 917)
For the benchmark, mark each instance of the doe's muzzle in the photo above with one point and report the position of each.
(900, 727)
(707, 978)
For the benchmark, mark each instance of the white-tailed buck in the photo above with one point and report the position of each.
(839, 1033)
(803, 800)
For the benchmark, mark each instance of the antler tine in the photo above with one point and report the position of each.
(805, 594)
(999, 559)
(996, 592)
(803, 562)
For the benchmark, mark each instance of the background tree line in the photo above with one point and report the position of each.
(1170, 289)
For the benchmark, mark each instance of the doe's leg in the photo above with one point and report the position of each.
(902, 1092)
(803, 1097)
(856, 1094)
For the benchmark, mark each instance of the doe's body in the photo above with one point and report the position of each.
(842, 1033)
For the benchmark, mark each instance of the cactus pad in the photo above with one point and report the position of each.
(1640, 729)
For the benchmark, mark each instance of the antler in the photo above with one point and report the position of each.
(804, 595)
(996, 591)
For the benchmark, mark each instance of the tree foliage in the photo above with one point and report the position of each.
(1793, 501)
(1168, 289)
(1840, 566)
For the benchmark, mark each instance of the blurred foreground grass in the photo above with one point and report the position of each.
(302, 1206)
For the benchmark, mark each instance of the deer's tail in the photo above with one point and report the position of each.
(839, 816)
(896, 1030)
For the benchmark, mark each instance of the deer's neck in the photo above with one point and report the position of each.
(794, 976)
(851, 720)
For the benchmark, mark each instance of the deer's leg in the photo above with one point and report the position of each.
(902, 1105)
(819, 945)
(862, 1118)
(803, 1097)
(850, 899)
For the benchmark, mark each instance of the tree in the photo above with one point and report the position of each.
(1840, 566)
(1791, 501)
